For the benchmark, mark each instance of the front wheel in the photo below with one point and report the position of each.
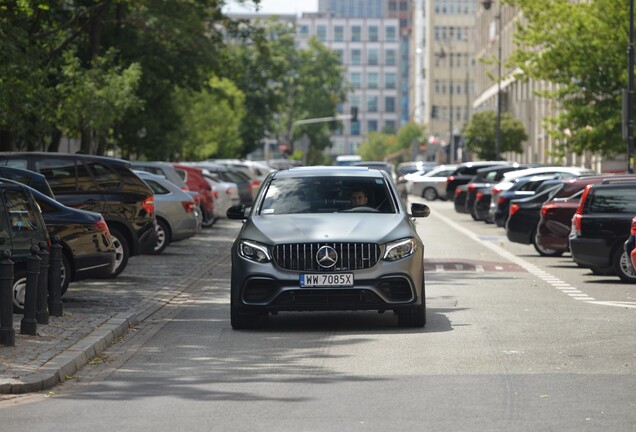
(544, 251)
(429, 194)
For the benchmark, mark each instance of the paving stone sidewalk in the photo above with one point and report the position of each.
(97, 312)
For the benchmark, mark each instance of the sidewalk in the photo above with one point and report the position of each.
(98, 312)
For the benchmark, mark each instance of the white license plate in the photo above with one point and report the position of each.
(326, 280)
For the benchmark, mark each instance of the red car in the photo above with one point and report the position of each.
(195, 181)
(630, 244)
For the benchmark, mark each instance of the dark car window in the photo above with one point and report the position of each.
(324, 195)
(105, 177)
(157, 188)
(61, 174)
(16, 163)
(21, 213)
(614, 201)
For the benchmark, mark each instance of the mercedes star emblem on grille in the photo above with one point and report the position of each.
(326, 257)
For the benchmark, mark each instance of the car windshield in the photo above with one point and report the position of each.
(327, 195)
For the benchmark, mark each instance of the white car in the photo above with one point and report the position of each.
(430, 185)
(225, 194)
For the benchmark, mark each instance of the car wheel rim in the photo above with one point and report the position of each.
(626, 266)
(62, 274)
(119, 252)
(19, 293)
(161, 237)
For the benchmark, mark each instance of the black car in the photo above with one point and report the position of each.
(464, 173)
(459, 198)
(484, 178)
(601, 226)
(21, 227)
(525, 213)
(327, 238)
(101, 185)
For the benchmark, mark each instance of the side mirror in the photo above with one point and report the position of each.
(236, 212)
(420, 210)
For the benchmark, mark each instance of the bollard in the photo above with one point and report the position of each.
(7, 332)
(29, 324)
(42, 308)
(55, 278)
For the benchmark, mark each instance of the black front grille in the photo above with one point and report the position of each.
(302, 256)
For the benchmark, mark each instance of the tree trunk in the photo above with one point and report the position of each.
(56, 138)
(6, 141)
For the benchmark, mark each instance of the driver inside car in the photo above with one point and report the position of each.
(359, 198)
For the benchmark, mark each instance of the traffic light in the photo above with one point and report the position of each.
(354, 113)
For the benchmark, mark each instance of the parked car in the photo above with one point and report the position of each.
(21, 227)
(464, 173)
(223, 173)
(101, 185)
(525, 213)
(429, 185)
(486, 177)
(254, 170)
(165, 169)
(566, 172)
(405, 168)
(521, 188)
(553, 229)
(228, 195)
(601, 225)
(481, 207)
(193, 177)
(304, 247)
(174, 210)
(459, 198)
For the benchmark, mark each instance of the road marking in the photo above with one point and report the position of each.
(556, 283)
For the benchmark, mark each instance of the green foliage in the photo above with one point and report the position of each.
(377, 146)
(581, 48)
(480, 135)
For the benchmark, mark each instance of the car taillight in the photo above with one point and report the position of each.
(495, 190)
(185, 188)
(450, 179)
(197, 200)
(228, 191)
(472, 187)
(480, 195)
(545, 208)
(576, 219)
(513, 209)
(101, 225)
(457, 191)
(634, 226)
(256, 184)
(149, 204)
(501, 200)
(216, 194)
(188, 206)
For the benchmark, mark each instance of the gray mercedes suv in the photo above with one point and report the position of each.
(327, 238)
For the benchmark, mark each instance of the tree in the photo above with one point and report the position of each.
(377, 146)
(480, 134)
(580, 47)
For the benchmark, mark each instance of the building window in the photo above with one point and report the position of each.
(392, 6)
(356, 33)
(389, 80)
(389, 57)
(355, 128)
(373, 33)
(389, 104)
(389, 126)
(372, 104)
(372, 126)
(356, 57)
(340, 55)
(304, 30)
(338, 32)
(403, 6)
(373, 56)
(372, 80)
(390, 34)
(322, 33)
(356, 79)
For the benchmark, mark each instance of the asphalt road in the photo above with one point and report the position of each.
(514, 342)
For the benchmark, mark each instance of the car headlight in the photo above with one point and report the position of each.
(400, 249)
(254, 251)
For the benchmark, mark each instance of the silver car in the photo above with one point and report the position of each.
(307, 245)
(174, 209)
(430, 185)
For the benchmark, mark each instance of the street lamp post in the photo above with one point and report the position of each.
(451, 150)
(630, 91)
(486, 4)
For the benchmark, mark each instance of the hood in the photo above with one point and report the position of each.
(336, 227)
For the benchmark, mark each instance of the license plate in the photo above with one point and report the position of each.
(326, 280)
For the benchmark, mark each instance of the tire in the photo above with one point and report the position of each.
(241, 320)
(429, 194)
(623, 266)
(163, 236)
(19, 290)
(544, 251)
(208, 219)
(65, 274)
(602, 271)
(122, 252)
(415, 316)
